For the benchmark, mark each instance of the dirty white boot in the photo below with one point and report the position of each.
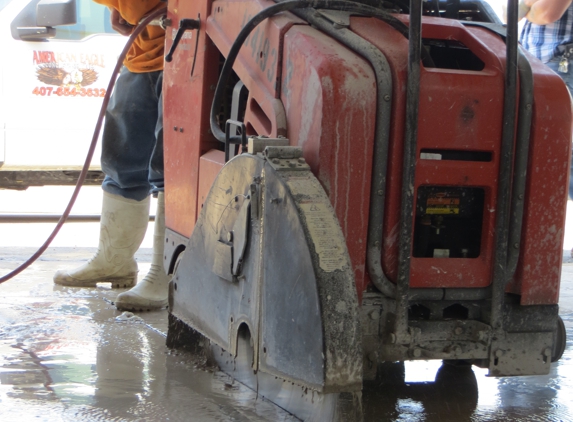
(122, 229)
(151, 292)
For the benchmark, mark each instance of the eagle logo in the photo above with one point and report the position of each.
(60, 76)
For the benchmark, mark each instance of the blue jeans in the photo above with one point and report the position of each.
(568, 79)
(132, 142)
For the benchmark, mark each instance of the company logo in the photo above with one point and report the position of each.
(70, 72)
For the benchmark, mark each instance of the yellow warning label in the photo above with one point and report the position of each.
(442, 204)
(444, 209)
(442, 201)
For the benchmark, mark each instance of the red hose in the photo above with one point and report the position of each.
(91, 150)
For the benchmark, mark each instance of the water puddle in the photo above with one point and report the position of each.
(67, 354)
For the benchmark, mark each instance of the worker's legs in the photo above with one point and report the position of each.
(122, 228)
(151, 292)
(130, 136)
(129, 142)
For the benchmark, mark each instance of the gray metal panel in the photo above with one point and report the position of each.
(312, 296)
(521, 354)
(210, 304)
(295, 269)
(292, 334)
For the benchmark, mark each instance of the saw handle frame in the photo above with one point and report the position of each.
(234, 140)
(185, 25)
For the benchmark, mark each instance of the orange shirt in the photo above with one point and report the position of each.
(146, 53)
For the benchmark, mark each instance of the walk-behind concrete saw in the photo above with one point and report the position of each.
(355, 183)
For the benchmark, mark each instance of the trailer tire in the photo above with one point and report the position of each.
(560, 340)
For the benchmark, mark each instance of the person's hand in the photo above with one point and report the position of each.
(523, 8)
(120, 24)
(544, 12)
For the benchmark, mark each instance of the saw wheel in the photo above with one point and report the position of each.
(266, 278)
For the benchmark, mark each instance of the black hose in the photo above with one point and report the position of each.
(91, 150)
(285, 6)
(381, 69)
(506, 162)
(408, 173)
(521, 158)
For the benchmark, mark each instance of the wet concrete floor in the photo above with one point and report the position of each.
(67, 354)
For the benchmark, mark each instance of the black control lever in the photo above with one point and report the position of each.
(184, 25)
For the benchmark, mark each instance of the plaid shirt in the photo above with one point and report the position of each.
(542, 40)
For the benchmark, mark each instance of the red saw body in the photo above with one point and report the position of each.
(379, 208)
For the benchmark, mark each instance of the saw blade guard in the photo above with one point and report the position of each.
(267, 255)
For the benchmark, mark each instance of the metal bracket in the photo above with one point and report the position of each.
(521, 354)
(286, 158)
(184, 25)
(223, 260)
(257, 144)
(234, 140)
(240, 236)
(255, 190)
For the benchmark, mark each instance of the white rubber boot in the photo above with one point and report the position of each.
(151, 292)
(122, 229)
